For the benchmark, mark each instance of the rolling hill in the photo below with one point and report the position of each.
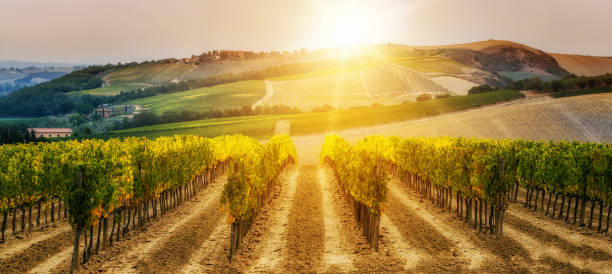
(156, 74)
(373, 74)
(220, 97)
(582, 65)
(583, 118)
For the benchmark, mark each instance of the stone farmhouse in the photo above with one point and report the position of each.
(51, 132)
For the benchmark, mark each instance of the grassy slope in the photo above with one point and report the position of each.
(256, 126)
(27, 121)
(570, 93)
(221, 97)
(101, 91)
(263, 126)
(149, 74)
(352, 118)
(429, 64)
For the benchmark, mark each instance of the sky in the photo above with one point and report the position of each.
(95, 32)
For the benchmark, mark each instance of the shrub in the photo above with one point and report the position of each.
(480, 89)
(423, 97)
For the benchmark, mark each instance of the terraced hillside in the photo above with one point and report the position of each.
(155, 74)
(387, 84)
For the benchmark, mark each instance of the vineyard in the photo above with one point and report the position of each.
(163, 73)
(385, 84)
(99, 182)
(480, 174)
(233, 204)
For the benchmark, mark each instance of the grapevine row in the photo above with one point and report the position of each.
(120, 180)
(252, 172)
(360, 171)
(483, 175)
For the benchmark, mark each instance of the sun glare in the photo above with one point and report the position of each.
(346, 25)
(349, 29)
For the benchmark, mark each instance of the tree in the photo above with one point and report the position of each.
(480, 89)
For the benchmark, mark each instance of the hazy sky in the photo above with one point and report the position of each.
(96, 31)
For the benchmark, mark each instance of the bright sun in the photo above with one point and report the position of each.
(345, 25)
(349, 29)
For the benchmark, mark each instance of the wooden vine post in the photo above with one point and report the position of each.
(79, 228)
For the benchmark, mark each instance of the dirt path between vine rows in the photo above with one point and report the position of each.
(176, 251)
(542, 244)
(574, 231)
(54, 261)
(145, 252)
(24, 258)
(270, 255)
(211, 251)
(254, 245)
(336, 254)
(346, 248)
(303, 251)
(473, 255)
(559, 231)
(16, 246)
(523, 247)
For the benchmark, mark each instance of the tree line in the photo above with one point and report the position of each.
(148, 118)
(568, 83)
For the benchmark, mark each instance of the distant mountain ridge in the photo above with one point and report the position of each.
(13, 78)
(23, 64)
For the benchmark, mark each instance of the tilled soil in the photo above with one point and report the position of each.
(259, 237)
(585, 252)
(305, 239)
(543, 245)
(513, 254)
(36, 253)
(443, 254)
(15, 245)
(505, 254)
(179, 246)
(364, 258)
(573, 234)
(212, 253)
(519, 208)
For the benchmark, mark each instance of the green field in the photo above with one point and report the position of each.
(101, 91)
(220, 97)
(149, 74)
(429, 64)
(256, 126)
(570, 93)
(263, 126)
(26, 121)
